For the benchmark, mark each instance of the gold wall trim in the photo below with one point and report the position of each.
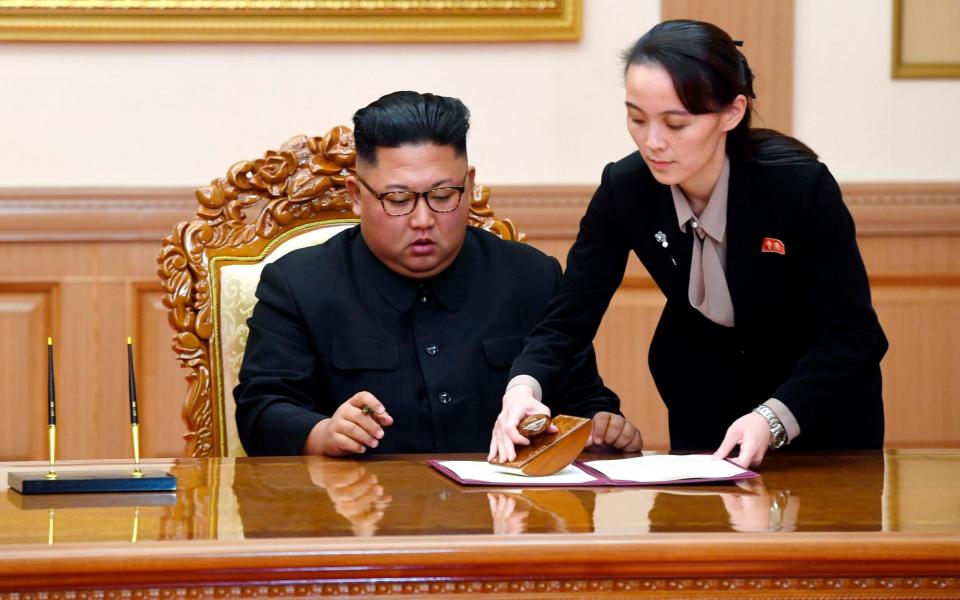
(901, 66)
(542, 212)
(291, 21)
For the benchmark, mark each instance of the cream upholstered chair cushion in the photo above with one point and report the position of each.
(237, 297)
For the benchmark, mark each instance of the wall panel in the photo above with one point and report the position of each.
(93, 282)
(160, 379)
(621, 345)
(25, 313)
(921, 317)
(766, 28)
(87, 261)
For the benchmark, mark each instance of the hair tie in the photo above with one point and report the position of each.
(738, 42)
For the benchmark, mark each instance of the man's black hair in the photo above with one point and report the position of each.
(403, 118)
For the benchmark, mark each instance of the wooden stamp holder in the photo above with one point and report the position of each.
(551, 452)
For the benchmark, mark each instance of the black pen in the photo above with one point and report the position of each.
(51, 411)
(134, 417)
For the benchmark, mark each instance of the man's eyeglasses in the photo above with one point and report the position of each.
(397, 204)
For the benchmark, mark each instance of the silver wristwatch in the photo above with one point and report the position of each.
(778, 434)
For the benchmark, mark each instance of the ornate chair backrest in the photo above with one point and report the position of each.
(210, 266)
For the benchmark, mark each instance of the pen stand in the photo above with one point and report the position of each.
(113, 479)
(78, 482)
(551, 452)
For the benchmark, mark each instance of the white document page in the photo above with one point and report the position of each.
(479, 470)
(665, 467)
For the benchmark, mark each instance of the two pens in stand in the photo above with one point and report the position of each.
(52, 412)
(107, 480)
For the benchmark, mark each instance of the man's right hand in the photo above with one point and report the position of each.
(351, 429)
(518, 402)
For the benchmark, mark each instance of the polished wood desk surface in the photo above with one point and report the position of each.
(854, 517)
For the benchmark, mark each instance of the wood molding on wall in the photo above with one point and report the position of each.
(79, 264)
(877, 208)
(147, 214)
(118, 214)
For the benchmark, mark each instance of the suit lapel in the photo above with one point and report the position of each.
(673, 261)
(741, 227)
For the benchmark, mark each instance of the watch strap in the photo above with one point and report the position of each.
(778, 434)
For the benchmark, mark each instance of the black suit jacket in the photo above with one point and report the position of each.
(805, 330)
(332, 321)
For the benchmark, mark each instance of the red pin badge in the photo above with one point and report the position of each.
(773, 245)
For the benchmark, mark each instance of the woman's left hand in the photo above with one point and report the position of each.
(752, 433)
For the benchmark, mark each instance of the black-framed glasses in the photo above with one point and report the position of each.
(397, 204)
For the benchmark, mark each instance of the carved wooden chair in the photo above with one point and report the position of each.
(210, 266)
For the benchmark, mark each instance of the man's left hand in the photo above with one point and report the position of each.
(614, 431)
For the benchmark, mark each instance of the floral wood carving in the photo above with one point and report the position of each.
(237, 215)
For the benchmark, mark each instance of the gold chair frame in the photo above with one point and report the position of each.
(242, 218)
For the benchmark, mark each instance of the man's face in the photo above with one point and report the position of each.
(423, 243)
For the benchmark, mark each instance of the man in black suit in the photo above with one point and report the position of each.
(398, 335)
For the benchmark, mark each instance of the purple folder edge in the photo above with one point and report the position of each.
(601, 480)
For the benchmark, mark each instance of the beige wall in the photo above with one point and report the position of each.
(180, 114)
(865, 125)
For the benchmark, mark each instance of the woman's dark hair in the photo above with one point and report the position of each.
(403, 118)
(709, 72)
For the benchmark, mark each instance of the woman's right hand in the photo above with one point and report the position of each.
(518, 402)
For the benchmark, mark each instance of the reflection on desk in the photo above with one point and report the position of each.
(344, 497)
(374, 497)
(849, 516)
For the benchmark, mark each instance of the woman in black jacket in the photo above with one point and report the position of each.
(768, 336)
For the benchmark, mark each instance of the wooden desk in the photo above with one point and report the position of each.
(852, 525)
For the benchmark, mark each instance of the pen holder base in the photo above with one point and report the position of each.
(87, 482)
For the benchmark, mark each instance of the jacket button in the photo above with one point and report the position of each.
(445, 398)
(432, 349)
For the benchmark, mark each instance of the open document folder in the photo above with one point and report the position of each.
(655, 469)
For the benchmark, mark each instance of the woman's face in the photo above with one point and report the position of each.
(679, 147)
